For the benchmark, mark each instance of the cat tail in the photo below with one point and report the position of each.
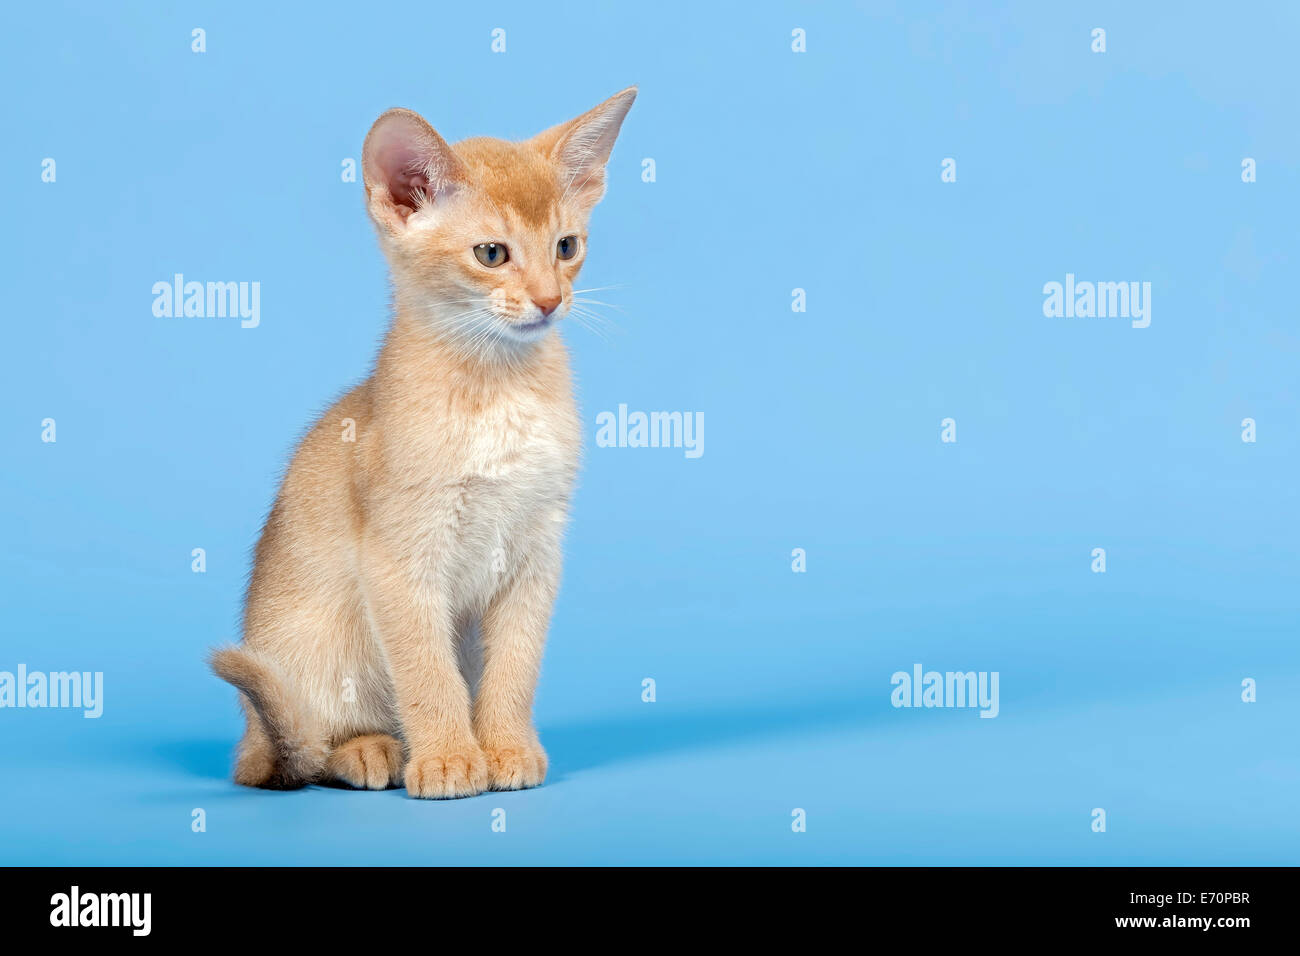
(297, 749)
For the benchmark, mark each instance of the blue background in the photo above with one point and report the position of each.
(775, 170)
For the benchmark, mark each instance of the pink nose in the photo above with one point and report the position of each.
(548, 304)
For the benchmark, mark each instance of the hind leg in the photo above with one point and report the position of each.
(368, 762)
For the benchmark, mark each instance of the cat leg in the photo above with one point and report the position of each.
(368, 762)
(469, 653)
(419, 640)
(513, 636)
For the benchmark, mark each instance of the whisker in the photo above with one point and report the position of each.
(599, 288)
(609, 305)
(597, 324)
(592, 313)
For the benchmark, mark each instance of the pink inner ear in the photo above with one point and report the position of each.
(402, 164)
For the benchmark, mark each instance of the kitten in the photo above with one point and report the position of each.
(403, 583)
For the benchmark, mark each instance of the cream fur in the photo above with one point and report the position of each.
(403, 583)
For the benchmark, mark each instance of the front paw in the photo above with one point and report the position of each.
(515, 766)
(444, 775)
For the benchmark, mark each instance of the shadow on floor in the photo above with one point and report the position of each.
(202, 758)
(652, 731)
(588, 744)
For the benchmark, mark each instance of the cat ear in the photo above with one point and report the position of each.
(581, 147)
(406, 164)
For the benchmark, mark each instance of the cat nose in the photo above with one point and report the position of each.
(548, 304)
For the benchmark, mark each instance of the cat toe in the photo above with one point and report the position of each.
(447, 776)
(516, 768)
(370, 762)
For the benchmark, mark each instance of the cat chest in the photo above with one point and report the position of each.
(512, 449)
(476, 529)
(493, 479)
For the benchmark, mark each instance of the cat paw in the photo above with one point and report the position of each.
(370, 762)
(443, 776)
(516, 767)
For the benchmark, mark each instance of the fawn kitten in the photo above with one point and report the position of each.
(403, 583)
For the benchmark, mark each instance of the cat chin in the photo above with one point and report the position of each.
(526, 333)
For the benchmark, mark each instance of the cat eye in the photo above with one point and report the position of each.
(491, 254)
(567, 247)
